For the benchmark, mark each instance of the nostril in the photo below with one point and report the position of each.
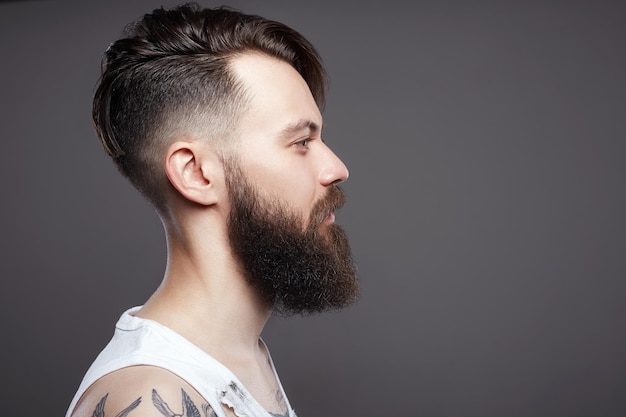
(333, 177)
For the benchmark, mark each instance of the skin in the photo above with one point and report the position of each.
(294, 165)
(204, 296)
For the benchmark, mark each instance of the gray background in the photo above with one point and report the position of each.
(486, 144)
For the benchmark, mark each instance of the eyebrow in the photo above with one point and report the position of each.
(297, 127)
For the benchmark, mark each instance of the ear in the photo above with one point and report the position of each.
(194, 171)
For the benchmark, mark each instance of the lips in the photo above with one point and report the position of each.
(324, 210)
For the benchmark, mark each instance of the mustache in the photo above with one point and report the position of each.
(330, 203)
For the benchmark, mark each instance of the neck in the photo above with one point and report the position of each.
(206, 298)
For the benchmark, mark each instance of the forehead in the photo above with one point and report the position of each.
(279, 98)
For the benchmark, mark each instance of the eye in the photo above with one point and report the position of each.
(304, 143)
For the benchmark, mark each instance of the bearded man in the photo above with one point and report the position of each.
(214, 116)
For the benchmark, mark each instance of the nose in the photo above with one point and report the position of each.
(333, 170)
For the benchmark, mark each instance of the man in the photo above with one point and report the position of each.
(214, 116)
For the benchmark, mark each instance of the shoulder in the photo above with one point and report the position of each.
(142, 391)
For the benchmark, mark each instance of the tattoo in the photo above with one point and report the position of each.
(161, 405)
(99, 411)
(130, 408)
(208, 410)
(280, 400)
(189, 408)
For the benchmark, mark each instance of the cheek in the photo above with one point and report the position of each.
(288, 178)
(294, 189)
(297, 191)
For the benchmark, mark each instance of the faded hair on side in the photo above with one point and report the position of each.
(169, 76)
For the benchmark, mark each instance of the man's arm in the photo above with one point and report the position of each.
(142, 391)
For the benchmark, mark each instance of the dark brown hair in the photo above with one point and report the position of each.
(169, 76)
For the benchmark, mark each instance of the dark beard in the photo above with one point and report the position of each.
(295, 271)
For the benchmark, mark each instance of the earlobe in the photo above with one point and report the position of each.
(190, 172)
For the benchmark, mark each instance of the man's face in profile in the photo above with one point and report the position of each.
(284, 195)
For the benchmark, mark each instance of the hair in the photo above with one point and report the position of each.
(169, 76)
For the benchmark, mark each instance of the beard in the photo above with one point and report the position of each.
(295, 269)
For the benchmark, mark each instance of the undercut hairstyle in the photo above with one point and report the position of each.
(169, 76)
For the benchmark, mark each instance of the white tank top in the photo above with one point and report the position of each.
(138, 341)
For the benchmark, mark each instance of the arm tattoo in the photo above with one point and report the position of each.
(189, 408)
(162, 405)
(99, 411)
(208, 410)
(130, 408)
